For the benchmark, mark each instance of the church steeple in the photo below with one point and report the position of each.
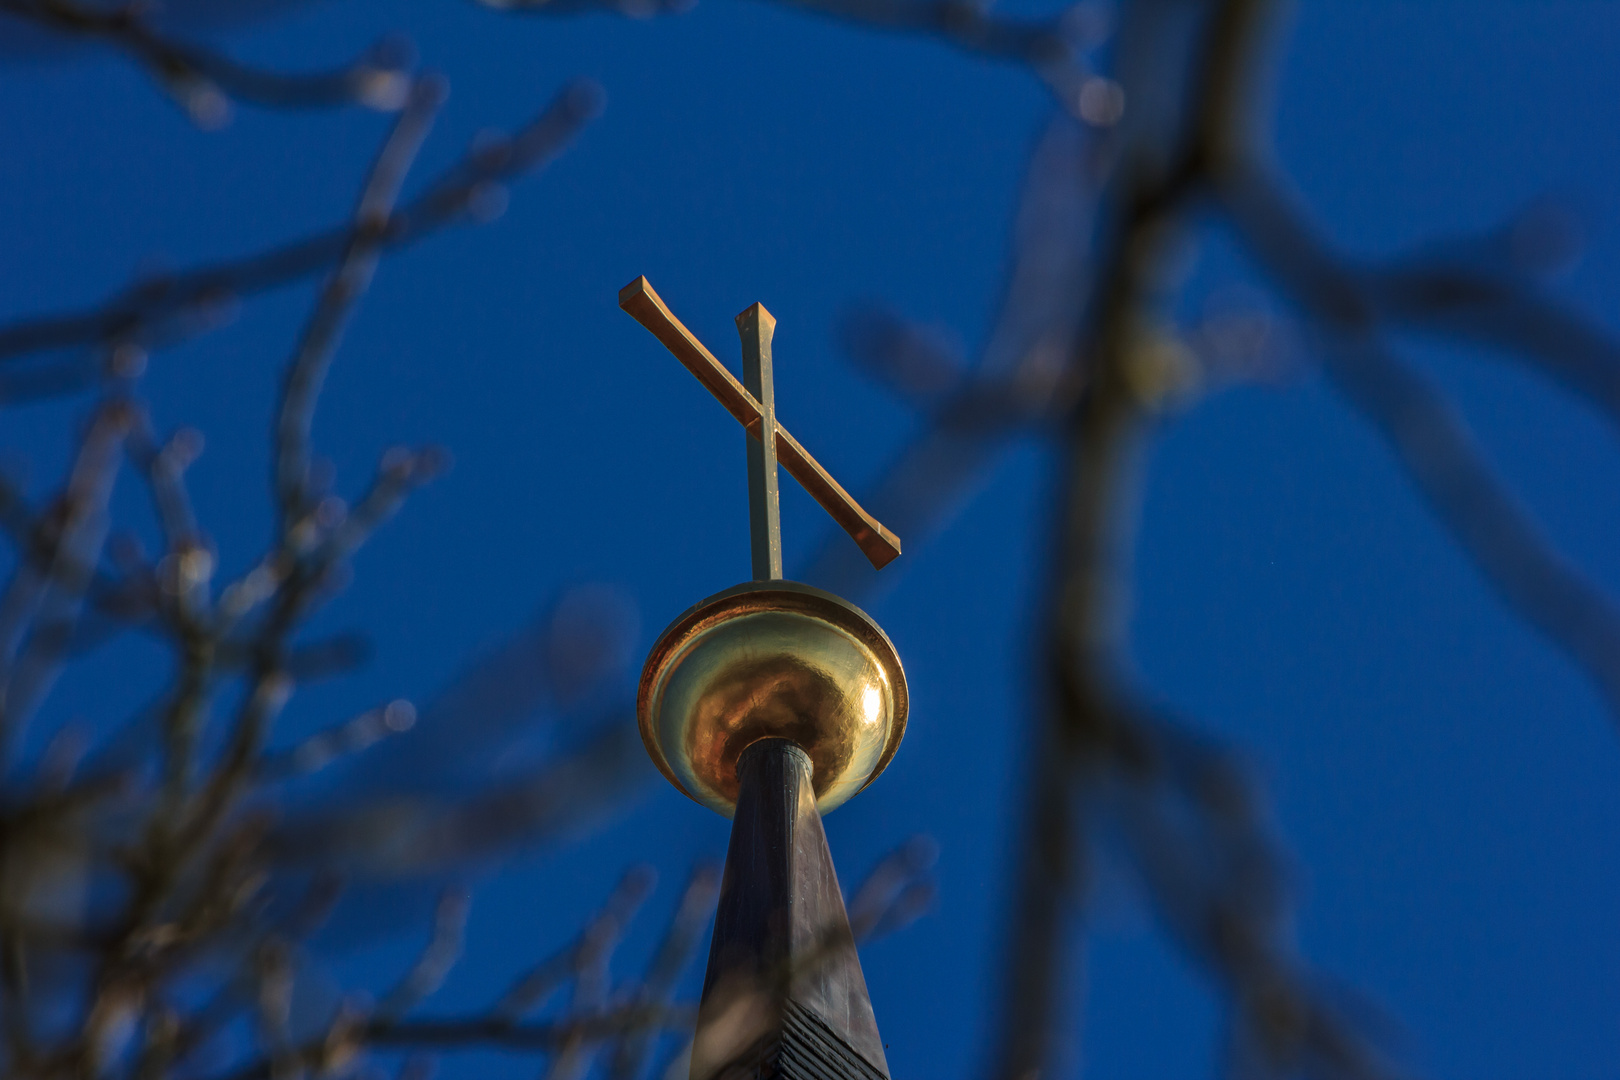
(774, 702)
(784, 995)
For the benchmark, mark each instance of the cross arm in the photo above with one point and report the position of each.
(879, 545)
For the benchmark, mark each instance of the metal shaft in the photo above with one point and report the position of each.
(755, 326)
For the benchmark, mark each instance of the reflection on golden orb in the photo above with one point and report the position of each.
(764, 659)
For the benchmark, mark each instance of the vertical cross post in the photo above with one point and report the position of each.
(755, 326)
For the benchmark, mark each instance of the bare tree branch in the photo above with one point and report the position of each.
(475, 1031)
(674, 954)
(40, 608)
(204, 83)
(307, 371)
(973, 29)
(1431, 442)
(1050, 48)
(1464, 304)
(148, 310)
(1019, 378)
(440, 955)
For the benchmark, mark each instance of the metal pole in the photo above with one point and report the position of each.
(755, 326)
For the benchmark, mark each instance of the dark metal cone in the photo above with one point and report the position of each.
(784, 996)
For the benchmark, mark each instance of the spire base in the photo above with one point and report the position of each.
(784, 997)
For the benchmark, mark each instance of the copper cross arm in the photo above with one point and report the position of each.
(879, 544)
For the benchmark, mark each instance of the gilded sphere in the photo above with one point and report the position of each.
(764, 659)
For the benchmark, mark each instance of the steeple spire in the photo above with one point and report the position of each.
(784, 996)
(773, 702)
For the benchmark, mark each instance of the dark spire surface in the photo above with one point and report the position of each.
(784, 997)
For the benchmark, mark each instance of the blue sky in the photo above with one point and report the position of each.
(1448, 784)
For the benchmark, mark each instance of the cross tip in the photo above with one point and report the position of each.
(881, 547)
(756, 313)
(639, 287)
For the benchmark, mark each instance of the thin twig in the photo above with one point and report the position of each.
(476, 1031)
(324, 329)
(141, 312)
(674, 953)
(442, 951)
(896, 891)
(970, 27)
(1431, 442)
(593, 947)
(204, 83)
(1510, 316)
(46, 606)
(1022, 377)
(334, 744)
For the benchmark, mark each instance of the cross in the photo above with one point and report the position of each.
(753, 403)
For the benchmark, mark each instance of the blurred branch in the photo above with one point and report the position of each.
(1466, 304)
(1091, 752)
(589, 950)
(164, 469)
(1071, 745)
(1051, 48)
(393, 832)
(972, 28)
(399, 472)
(590, 1022)
(899, 888)
(1433, 445)
(186, 904)
(1021, 377)
(195, 864)
(472, 187)
(1092, 361)
(474, 1031)
(1197, 834)
(40, 606)
(539, 1036)
(441, 954)
(976, 29)
(204, 83)
(333, 744)
(1429, 439)
(324, 329)
(675, 953)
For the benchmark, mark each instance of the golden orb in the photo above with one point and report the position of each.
(772, 659)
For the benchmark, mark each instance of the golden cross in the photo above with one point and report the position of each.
(754, 406)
